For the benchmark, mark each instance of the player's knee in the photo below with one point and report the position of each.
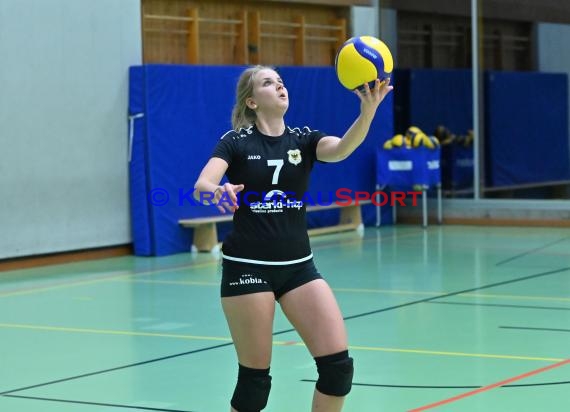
(335, 374)
(252, 389)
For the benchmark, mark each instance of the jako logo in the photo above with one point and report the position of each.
(253, 157)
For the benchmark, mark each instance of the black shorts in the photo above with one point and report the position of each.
(243, 278)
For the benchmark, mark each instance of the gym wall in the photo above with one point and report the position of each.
(63, 117)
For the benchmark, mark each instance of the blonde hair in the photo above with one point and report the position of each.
(243, 116)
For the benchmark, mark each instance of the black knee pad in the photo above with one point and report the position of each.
(252, 389)
(335, 374)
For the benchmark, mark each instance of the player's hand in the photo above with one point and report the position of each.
(370, 99)
(225, 197)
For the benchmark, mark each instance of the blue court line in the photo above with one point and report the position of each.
(531, 251)
(114, 405)
(537, 329)
(492, 285)
(500, 305)
(443, 386)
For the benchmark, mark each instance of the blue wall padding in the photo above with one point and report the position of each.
(401, 82)
(140, 221)
(526, 122)
(457, 166)
(187, 109)
(526, 128)
(429, 98)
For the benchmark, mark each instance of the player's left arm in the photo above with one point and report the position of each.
(335, 149)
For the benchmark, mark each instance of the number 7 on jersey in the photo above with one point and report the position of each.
(278, 163)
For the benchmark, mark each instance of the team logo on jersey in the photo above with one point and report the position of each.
(294, 156)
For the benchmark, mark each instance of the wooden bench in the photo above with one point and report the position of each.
(206, 235)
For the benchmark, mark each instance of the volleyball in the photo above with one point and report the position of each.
(416, 135)
(362, 60)
(399, 141)
(418, 138)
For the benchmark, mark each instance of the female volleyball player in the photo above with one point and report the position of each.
(267, 256)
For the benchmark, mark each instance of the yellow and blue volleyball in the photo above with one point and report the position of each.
(416, 135)
(399, 140)
(418, 138)
(362, 60)
(431, 142)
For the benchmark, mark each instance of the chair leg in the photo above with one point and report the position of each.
(424, 207)
(439, 206)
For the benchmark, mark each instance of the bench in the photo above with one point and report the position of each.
(206, 235)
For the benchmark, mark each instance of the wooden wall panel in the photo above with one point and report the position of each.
(444, 42)
(323, 2)
(166, 40)
(553, 11)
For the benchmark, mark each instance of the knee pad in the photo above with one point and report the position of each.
(252, 389)
(335, 374)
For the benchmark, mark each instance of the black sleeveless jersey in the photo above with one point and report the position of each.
(270, 225)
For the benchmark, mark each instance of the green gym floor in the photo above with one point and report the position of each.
(451, 318)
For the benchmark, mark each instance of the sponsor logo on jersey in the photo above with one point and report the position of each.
(275, 202)
(253, 157)
(275, 194)
(294, 156)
